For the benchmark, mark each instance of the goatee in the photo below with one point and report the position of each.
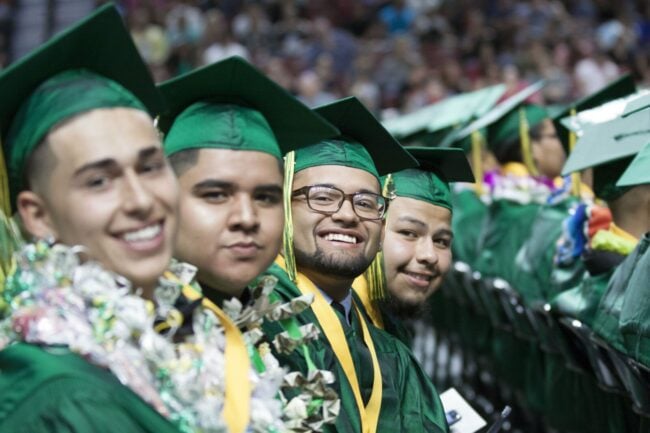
(348, 267)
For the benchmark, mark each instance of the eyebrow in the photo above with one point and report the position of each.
(271, 187)
(212, 183)
(412, 220)
(331, 185)
(111, 163)
(444, 232)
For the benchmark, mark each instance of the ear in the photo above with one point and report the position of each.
(35, 215)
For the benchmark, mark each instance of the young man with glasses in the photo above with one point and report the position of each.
(334, 227)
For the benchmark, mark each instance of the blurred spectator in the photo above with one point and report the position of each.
(397, 16)
(399, 54)
(219, 40)
(310, 90)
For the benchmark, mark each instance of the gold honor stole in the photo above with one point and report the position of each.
(238, 389)
(360, 285)
(333, 330)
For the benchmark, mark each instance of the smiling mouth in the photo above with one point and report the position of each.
(419, 277)
(340, 237)
(142, 235)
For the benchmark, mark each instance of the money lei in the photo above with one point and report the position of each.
(53, 298)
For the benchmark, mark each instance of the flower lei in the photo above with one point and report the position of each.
(53, 298)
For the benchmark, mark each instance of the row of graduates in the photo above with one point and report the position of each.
(561, 215)
(101, 330)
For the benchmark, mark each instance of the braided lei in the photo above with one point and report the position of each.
(53, 298)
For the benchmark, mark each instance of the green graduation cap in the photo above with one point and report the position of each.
(364, 143)
(232, 105)
(618, 88)
(430, 181)
(609, 147)
(500, 110)
(450, 112)
(637, 104)
(638, 172)
(93, 64)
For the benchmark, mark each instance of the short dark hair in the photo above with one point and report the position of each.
(183, 160)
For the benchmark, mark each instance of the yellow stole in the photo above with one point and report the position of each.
(333, 330)
(360, 286)
(238, 388)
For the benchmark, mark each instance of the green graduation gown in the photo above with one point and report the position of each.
(634, 320)
(409, 403)
(467, 222)
(51, 390)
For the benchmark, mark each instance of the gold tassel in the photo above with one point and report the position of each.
(575, 177)
(524, 139)
(287, 236)
(477, 160)
(5, 198)
(375, 272)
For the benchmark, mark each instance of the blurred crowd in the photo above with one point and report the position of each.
(400, 55)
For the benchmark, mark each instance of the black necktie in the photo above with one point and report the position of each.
(341, 309)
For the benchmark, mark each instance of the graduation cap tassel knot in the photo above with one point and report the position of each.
(287, 236)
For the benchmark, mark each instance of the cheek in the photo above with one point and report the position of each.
(397, 252)
(444, 261)
(167, 191)
(82, 218)
(272, 223)
(303, 228)
(199, 220)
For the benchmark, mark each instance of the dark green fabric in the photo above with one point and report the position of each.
(55, 391)
(57, 99)
(606, 321)
(582, 302)
(206, 125)
(508, 127)
(410, 403)
(506, 228)
(534, 263)
(470, 214)
(343, 152)
(232, 105)
(638, 171)
(606, 177)
(430, 181)
(357, 125)
(634, 320)
(423, 186)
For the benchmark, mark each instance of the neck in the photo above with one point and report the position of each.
(631, 212)
(336, 288)
(225, 290)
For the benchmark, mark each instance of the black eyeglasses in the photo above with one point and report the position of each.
(328, 200)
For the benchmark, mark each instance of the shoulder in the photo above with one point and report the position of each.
(42, 388)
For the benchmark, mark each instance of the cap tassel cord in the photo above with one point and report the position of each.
(287, 236)
(477, 160)
(524, 139)
(575, 177)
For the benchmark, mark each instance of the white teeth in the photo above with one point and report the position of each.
(341, 238)
(419, 276)
(144, 234)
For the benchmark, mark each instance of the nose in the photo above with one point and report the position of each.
(426, 252)
(346, 213)
(243, 215)
(137, 199)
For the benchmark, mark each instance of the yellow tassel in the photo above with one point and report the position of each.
(524, 139)
(287, 237)
(5, 199)
(477, 160)
(375, 272)
(575, 177)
